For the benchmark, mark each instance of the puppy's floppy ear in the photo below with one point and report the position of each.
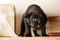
(24, 20)
(24, 23)
(45, 18)
(22, 27)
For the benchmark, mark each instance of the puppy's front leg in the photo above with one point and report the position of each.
(35, 32)
(32, 32)
(28, 32)
(43, 30)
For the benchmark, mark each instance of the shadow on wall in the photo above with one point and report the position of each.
(18, 23)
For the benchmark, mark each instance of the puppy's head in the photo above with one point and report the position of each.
(35, 16)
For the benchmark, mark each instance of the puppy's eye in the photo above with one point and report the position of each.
(33, 18)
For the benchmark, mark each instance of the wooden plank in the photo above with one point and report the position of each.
(31, 38)
(8, 11)
(53, 24)
(54, 19)
(7, 20)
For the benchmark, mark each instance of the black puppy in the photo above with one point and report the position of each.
(34, 18)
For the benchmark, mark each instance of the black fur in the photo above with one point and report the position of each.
(34, 17)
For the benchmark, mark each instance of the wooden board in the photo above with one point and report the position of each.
(8, 11)
(7, 20)
(53, 24)
(31, 38)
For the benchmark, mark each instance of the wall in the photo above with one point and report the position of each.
(51, 7)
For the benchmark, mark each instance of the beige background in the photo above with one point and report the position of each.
(55, 20)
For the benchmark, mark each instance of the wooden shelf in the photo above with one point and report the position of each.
(30, 38)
